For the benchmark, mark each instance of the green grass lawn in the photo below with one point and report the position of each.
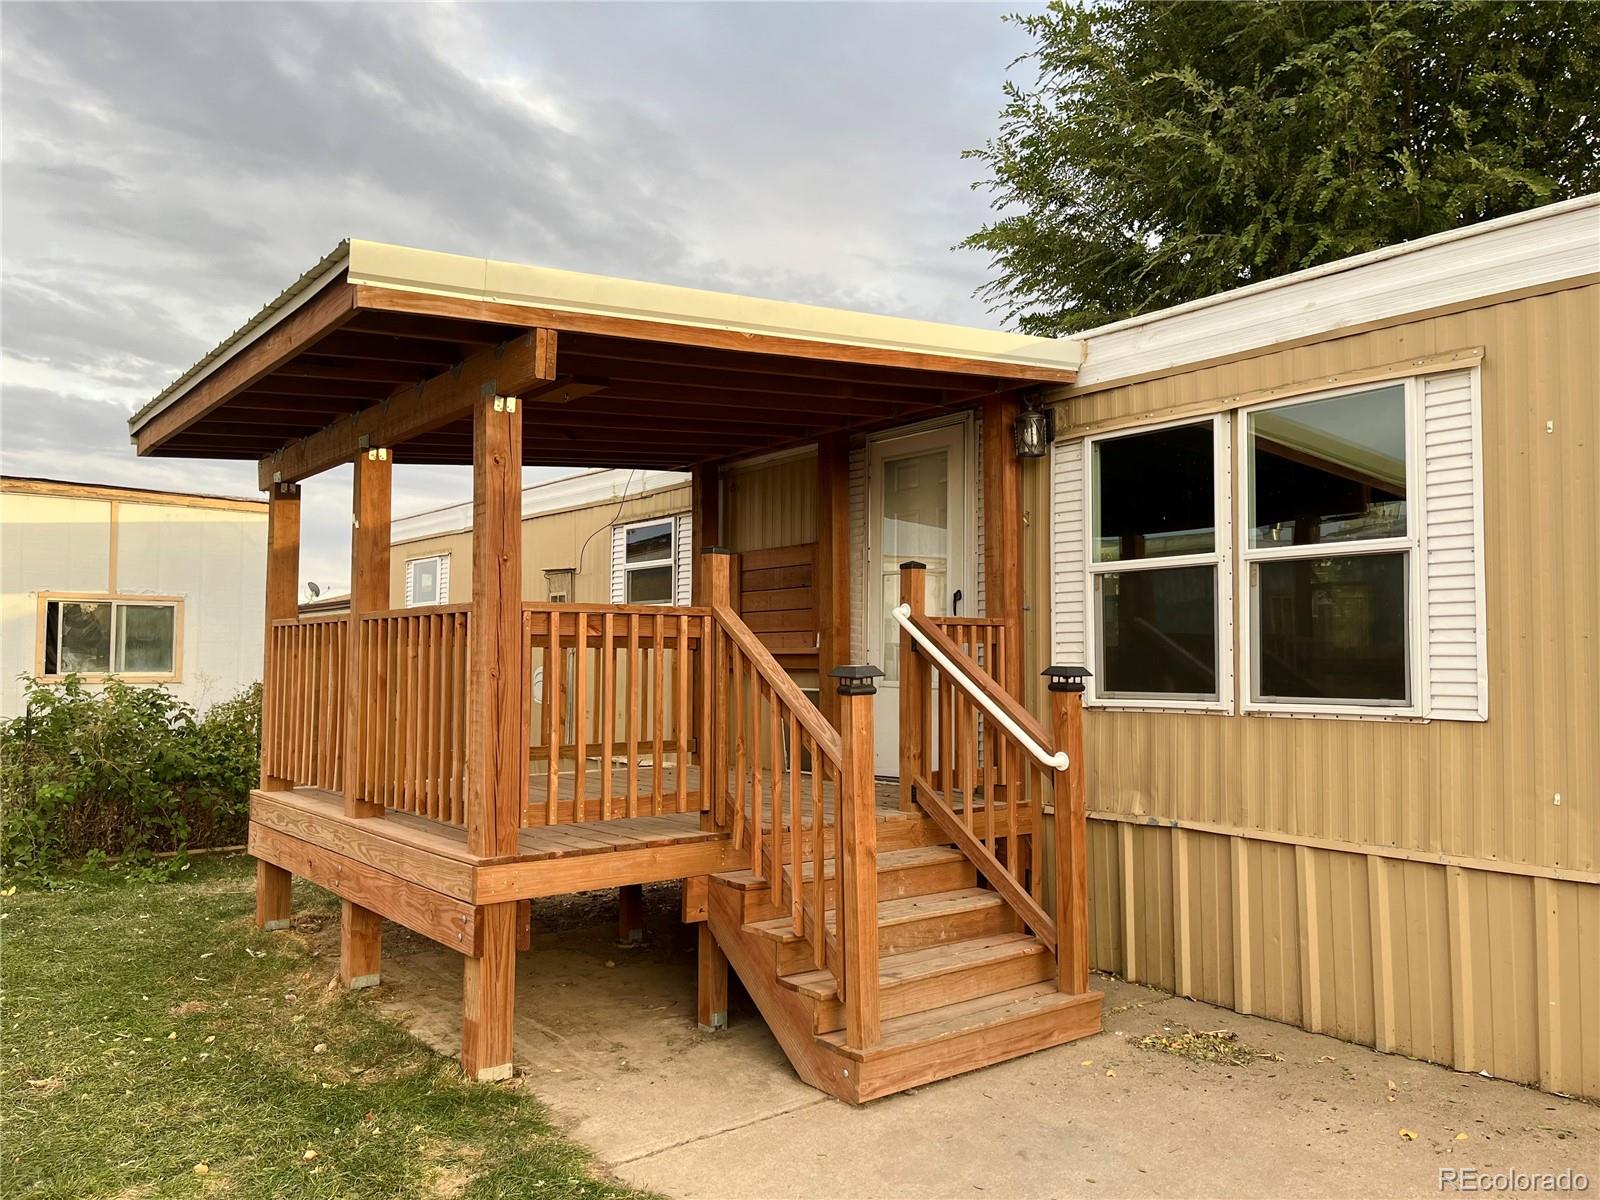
(156, 1045)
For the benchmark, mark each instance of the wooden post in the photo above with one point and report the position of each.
(273, 883)
(711, 1012)
(1072, 868)
(914, 685)
(715, 583)
(524, 925)
(371, 501)
(858, 871)
(488, 991)
(832, 582)
(1002, 531)
(705, 516)
(360, 945)
(282, 604)
(495, 736)
(630, 914)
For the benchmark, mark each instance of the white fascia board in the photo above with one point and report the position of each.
(588, 488)
(1528, 249)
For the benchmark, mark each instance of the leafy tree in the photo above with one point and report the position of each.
(1168, 151)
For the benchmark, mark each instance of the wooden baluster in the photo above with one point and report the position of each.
(913, 685)
(967, 744)
(1031, 778)
(819, 886)
(946, 741)
(741, 832)
(450, 693)
(608, 708)
(580, 717)
(552, 719)
(658, 691)
(632, 732)
(796, 829)
(758, 799)
(990, 745)
(1007, 751)
(681, 714)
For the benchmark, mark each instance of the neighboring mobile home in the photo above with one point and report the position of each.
(1326, 545)
(151, 586)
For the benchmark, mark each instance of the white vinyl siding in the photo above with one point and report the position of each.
(619, 556)
(1069, 610)
(1452, 481)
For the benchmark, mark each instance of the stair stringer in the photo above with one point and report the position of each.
(789, 1015)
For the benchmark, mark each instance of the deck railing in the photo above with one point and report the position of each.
(779, 781)
(982, 639)
(615, 697)
(303, 705)
(411, 711)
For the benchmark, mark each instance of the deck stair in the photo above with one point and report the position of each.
(961, 984)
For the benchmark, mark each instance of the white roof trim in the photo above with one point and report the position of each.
(426, 271)
(1527, 249)
(582, 490)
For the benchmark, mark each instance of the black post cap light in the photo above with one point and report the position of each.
(856, 679)
(715, 550)
(913, 566)
(1066, 679)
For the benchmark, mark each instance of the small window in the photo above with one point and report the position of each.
(427, 581)
(1155, 561)
(647, 563)
(1329, 552)
(109, 637)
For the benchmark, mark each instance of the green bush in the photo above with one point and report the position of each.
(122, 771)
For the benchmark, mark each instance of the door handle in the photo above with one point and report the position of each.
(955, 603)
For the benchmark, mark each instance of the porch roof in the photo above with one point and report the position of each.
(638, 374)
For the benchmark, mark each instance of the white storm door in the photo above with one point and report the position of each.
(918, 509)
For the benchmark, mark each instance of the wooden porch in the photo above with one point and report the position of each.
(441, 766)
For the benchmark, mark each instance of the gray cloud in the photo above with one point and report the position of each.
(167, 168)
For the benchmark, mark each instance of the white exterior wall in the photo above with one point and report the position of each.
(213, 559)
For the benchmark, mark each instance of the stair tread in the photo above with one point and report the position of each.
(930, 961)
(896, 912)
(888, 860)
(966, 1016)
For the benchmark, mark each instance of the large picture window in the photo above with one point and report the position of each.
(97, 636)
(1157, 533)
(647, 563)
(1329, 550)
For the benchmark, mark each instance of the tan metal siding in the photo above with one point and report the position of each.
(1401, 884)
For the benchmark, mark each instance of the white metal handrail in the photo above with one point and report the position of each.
(1056, 762)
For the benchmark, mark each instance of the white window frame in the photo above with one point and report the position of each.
(1220, 557)
(1411, 543)
(175, 603)
(670, 561)
(441, 575)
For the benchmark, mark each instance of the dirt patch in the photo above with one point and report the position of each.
(1205, 1046)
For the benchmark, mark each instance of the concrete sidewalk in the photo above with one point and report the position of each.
(606, 1038)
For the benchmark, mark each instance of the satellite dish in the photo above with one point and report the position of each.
(314, 590)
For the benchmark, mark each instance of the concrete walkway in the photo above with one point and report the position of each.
(606, 1038)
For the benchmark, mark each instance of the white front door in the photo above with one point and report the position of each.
(918, 509)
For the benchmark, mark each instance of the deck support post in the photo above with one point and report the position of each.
(915, 682)
(1002, 533)
(711, 1010)
(1071, 857)
(371, 502)
(488, 991)
(360, 945)
(273, 883)
(857, 820)
(833, 565)
(282, 604)
(630, 914)
(273, 886)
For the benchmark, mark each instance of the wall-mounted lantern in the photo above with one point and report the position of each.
(1034, 430)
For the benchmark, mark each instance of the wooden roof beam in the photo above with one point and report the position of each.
(508, 370)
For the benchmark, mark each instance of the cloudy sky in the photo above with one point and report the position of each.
(167, 169)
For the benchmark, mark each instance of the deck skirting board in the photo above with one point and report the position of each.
(450, 922)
